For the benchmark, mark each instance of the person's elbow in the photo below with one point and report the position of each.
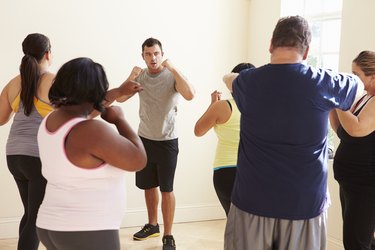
(139, 162)
(357, 132)
(198, 131)
(189, 95)
(4, 119)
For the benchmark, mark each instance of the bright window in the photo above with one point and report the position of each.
(324, 17)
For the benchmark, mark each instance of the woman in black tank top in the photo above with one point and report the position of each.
(354, 162)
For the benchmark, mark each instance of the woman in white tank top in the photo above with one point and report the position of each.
(83, 161)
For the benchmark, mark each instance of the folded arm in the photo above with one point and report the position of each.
(360, 125)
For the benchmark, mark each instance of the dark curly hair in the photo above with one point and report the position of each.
(79, 81)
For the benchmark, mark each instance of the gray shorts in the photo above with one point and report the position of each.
(80, 240)
(246, 231)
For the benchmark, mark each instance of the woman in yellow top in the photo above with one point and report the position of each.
(26, 97)
(224, 117)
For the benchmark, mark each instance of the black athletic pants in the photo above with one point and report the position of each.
(26, 171)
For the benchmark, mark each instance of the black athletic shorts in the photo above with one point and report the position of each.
(161, 165)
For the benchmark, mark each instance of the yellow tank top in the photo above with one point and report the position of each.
(228, 135)
(42, 107)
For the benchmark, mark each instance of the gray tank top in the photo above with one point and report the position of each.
(22, 139)
(158, 106)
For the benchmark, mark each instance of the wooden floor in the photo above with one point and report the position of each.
(207, 235)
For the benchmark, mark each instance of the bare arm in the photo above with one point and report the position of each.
(131, 145)
(228, 80)
(182, 84)
(217, 113)
(93, 141)
(360, 125)
(334, 120)
(126, 90)
(130, 86)
(122, 93)
(6, 111)
(13, 88)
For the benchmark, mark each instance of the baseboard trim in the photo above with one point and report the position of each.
(136, 217)
(9, 227)
(334, 244)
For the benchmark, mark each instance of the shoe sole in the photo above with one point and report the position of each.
(150, 236)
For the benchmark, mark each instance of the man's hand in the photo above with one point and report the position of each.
(136, 71)
(167, 63)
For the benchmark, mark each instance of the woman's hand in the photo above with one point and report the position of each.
(215, 96)
(112, 114)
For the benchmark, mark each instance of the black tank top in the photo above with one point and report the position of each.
(354, 161)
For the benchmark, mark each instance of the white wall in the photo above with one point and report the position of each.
(356, 31)
(263, 17)
(204, 39)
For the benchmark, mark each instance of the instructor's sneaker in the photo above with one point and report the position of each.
(148, 231)
(169, 243)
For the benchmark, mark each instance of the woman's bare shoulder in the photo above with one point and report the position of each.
(15, 81)
(13, 87)
(47, 78)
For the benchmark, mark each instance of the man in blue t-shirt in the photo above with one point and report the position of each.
(280, 198)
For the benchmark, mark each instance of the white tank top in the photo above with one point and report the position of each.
(77, 199)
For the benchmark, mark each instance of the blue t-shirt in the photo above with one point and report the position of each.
(282, 162)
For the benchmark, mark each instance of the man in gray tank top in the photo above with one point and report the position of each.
(160, 86)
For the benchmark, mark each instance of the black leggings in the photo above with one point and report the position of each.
(223, 183)
(358, 212)
(26, 171)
